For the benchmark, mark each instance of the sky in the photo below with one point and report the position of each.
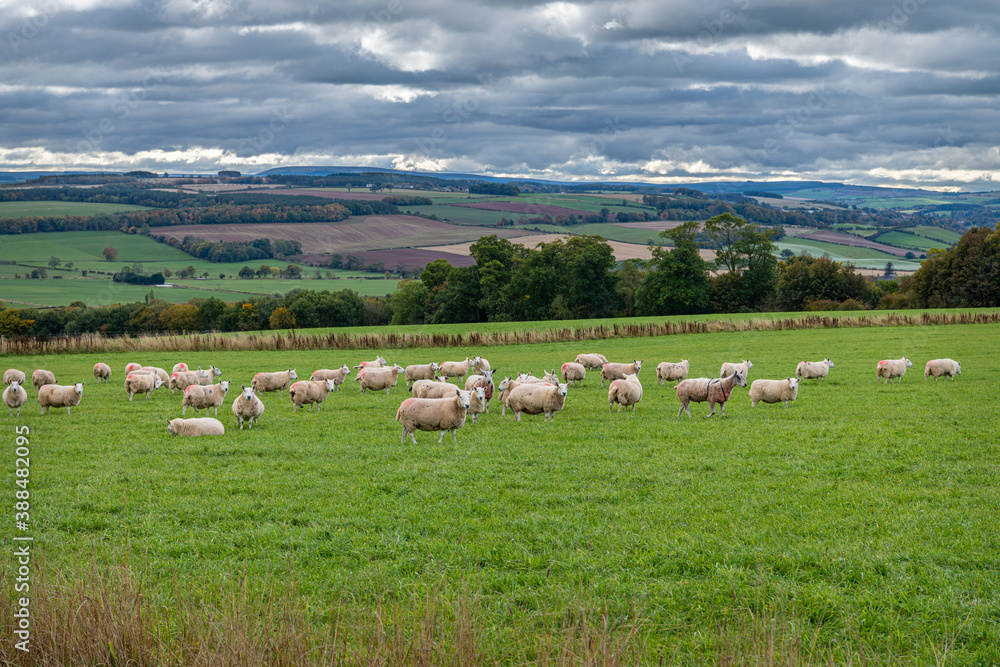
(869, 92)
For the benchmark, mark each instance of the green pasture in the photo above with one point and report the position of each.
(904, 240)
(946, 236)
(895, 202)
(23, 209)
(862, 515)
(862, 258)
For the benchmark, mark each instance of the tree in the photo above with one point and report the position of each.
(677, 282)
(246, 273)
(11, 323)
(69, 266)
(787, 254)
(409, 302)
(54, 262)
(888, 273)
(110, 254)
(38, 273)
(282, 318)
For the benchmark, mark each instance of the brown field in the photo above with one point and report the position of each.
(526, 208)
(376, 232)
(411, 258)
(847, 239)
(621, 250)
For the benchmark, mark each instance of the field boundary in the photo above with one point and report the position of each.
(93, 342)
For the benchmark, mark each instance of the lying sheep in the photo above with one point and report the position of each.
(377, 379)
(102, 372)
(247, 407)
(196, 426)
(427, 389)
(14, 396)
(132, 367)
(480, 364)
(278, 381)
(12, 374)
(455, 369)
(939, 367)
(536, 399)
(180, 368)
(338, 375)
(197, 396)
(184, 379)
(416, 372)
(591, 362)
(311, 392)
(774, 391)
(477, 403)
(713, 390)
(812, 370)
(573, 372)
(434, 414)
(378, 362)
(60, 396)
(485, 381)
(625, 392)
(41, 378)
(141, 383)
(892, 368)
(743, 367)
(528, 378)
(612, 371)
(668, 372)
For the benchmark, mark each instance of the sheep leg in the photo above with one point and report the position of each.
(67, 409)
(711, 404)
(441, 439)
(387, 391)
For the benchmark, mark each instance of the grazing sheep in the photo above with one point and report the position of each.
(573, 372)
(892, 368)
(311, 392)
(208, 397)
(434, 414)
(455, 369)
(486, 382)
(427, 389)
(774, 391)
(728, 369)
(379, 378)
(41, 378)
(612, 371)
(184, 379)
(416, 372)
(338, 375)
(536, 399)
(60, 396)
(378, 362)
(196, 426)
(247, 407)
(811, 370)
(939, 367)
(159, 372)
(102, 372)
(12, 374)
(180, 368)
(278, 381)
(477, 403)
(141, 383)
(713, 390)
(625, 392)
(132, 367)
(591, 362)
(668, 372)
(480, 364)
(14, 396)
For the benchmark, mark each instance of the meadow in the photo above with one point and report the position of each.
(22, 209)
(904, 240)
(862, 258)
(855, 525)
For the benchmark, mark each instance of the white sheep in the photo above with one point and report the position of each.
(60, 396)
(503, 391)
(455, 369)
(377, 379)
(196, 426)
(14, 396)
(528, 378)
(627, 391)
(180, 367)
(591, 361)
(247, 407)
(730, 368)
(184, 379)
(198, 396)
(132, 367)
(41, 378)
(892, 368)
(418, 385)
(141, 383)
(277, 381)
(311, 392)
(939, 367)
(485, 380)
(12, 374)
(416, 372)
(209, 376)
(477, 403)
(536, 399)
(668, 372)
(812, 370)
(713, 390)
(159, 372)
(573, 372)
(480, 364)
(378, 362)
(338, 375)
(434, 414)
(774, 391)
(613, 371)
(428, 389)
(102, 372)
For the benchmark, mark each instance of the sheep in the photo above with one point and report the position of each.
(338, 375)
(138, 383)
(183, 379)
(774, 391)
(418, 386)
(12, 374)
(504, 389)
(196, 426)
(180, 367)
(528, 378)
(277, 381)
(132, 367)
(433, 414)
(209, 376)
(480, 364)
(713, 390)
(573, 372)
(197, 396)
(591, 362)
(102, 372)
(477, 403)
(939, 367)
(159, 372)
(60, 396)
(378, 362)
(728, 369)
(668, 372)
(379, 378)
(550, 377)
(416, 372)
(311, 392)
(41, 378)
(811, 370)
(892, 368)
(612, 371)
(625, 392)
(486, 382)
(536, 399)
(455, 369)
(14, 396)
(428, 389)
(247, 407)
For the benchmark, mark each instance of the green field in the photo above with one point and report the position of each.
(936, 233)
(23, 209)
(862, 258)
(904, 240)
(857, 525)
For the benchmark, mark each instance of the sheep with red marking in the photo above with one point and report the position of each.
(308, 391)
(572, 372)
(892, 369)
(377, 362)
(40, 378)
(434, 414)
(184, 379)
(141, 383)
(277, 381)
(198, 396)
(180, 367)
(102, 372)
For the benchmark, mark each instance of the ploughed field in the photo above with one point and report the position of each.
(858, 521)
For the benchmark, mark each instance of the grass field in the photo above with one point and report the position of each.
(856, 525)
(863, 258)
(936, 233)
(22, 209)
(904, 240)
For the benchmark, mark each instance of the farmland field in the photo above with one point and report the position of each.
(918, 243)
(865, 258)
(946, 236)
(855, 525)
(621, 251)
(22, 209)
